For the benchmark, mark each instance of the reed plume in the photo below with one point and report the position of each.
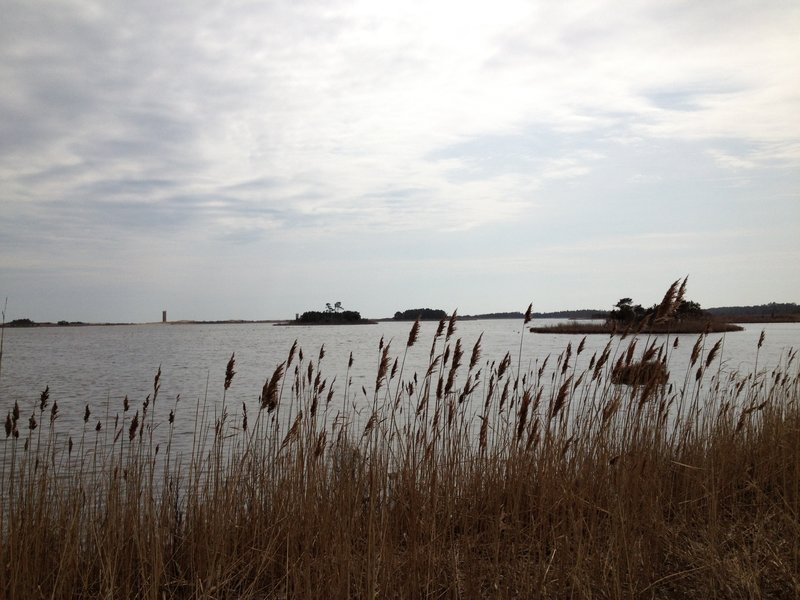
(668, 305)
(476, 353)
(413, 334)
(522, 415)
(383, 366)
(561, 397)
(292, 351)
(451, 325)
(713, 352)
(269, 393)
(528, 314)
(229, 372)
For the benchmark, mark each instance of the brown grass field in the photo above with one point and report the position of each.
(472, 480)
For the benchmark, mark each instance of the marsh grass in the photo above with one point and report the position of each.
(707, 325)
(472, 479)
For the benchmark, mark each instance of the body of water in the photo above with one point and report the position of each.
(101, 365)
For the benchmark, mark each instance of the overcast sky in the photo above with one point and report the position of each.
(257, 159)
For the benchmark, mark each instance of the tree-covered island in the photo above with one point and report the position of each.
(334, 314)
(423, 314)
(675, 314)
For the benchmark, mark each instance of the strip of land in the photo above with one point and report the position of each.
(612, 328)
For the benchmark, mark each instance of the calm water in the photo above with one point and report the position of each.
(98, 366)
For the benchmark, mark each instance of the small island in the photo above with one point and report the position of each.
(423, 314)
(26, 323)
(332, 315)
(436, 314)
(674, 314)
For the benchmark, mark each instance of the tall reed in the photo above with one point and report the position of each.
(549, 482)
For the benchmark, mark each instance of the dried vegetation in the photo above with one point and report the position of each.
(477, 478)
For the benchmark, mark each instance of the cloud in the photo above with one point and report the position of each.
(250, 124)
(757, 156)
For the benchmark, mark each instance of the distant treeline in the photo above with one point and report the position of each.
(431, 314)
(424, 314)
(773, 309)
(30, 323)
(21, 323)
(583, 313)
(497, 315)
(436, 314)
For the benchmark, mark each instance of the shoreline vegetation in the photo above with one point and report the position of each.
(610, 328)
(689, 318)
(673, 315)
(762, 318)
(333, 315)
(479, 477)
(773, 312)
(324, 323)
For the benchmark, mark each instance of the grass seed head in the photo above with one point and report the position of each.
(45, 395)
(630, 351)
(476, 353)
(451, 324)
(439, 329)
(383, 366)
(522, 415)
(413, 334)
(294, 431)
(330, 394)
(561, 398)
(134, 426)
(503, 366)
(157, 383)
(229, 372)
(713, 353)
(668, 305)
(649, 353)
(270, 391)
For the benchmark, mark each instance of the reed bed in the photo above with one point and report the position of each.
(477, 478)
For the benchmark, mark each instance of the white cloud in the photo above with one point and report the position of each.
(284, 120)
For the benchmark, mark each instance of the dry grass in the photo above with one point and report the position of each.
(650, 372)
(461, 482)
(707, 325)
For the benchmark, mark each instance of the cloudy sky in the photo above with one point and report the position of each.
(257, 159)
